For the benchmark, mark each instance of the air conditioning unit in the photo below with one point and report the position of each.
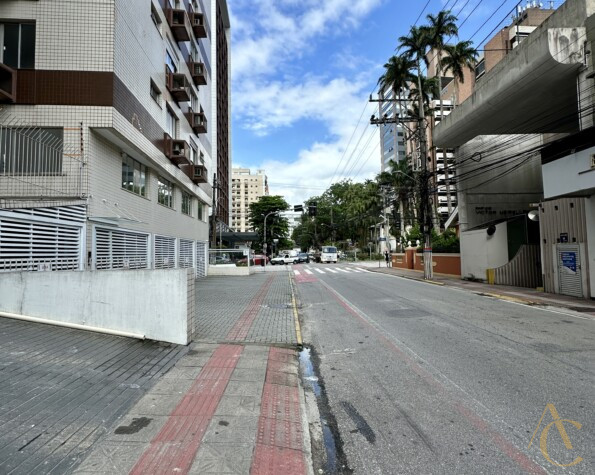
(199, 172)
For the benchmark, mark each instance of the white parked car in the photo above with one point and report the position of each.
(284, 259)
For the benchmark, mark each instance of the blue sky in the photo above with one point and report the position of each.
(302, 72)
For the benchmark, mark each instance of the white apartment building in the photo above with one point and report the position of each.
(246, 188)
(114, 120)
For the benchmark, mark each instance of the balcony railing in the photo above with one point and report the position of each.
(197, 20)
(176, 150)
(198, 121)
(197, 173)
(178, 86)
(8, 84)
(198, 73)
(177, 21)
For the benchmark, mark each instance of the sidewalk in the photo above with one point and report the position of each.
(515, 294)
(233, 404)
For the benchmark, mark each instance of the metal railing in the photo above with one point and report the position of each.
(39, 265)
(39, 162)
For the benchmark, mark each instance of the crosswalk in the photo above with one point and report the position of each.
(329, 270)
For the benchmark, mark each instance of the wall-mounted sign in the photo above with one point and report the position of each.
(569, 260)
(563, 237)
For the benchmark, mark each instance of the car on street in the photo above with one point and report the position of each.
(303, 257)
(284, 259)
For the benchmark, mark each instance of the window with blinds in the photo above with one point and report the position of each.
(38, 246)
(119, 249)
(165, 252)
(186, 254)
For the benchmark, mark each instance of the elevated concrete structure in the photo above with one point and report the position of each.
(532, 89)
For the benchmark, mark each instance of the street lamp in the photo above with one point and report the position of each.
(265, 237)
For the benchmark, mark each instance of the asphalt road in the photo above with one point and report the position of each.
(427, 379)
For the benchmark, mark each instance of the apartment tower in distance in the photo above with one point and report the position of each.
(115, 119)
(247, 188)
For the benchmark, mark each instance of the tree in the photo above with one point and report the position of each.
(430, 88)
(441, 25)
(458, 58)
(276, 225)
(397, 76)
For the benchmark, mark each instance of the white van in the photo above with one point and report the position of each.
(328, 254)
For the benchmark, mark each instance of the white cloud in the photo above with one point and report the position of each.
(281, 30)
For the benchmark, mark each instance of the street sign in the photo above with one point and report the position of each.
(382, 239)
(298, 208)
(563, 237)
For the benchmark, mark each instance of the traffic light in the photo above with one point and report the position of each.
(298, 209)
(312, 208)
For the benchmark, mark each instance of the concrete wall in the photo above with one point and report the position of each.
(480, 252)
(223, 269)
(497, 177)
(572, 174)
(158, 304)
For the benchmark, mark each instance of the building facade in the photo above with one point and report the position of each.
(247, 188)
(392, 135)
(110, 132)
(517, 140)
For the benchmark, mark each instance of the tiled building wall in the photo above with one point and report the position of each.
(106, 192)
(69, 35)
(139, 57)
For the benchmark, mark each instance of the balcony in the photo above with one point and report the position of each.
(178, 86)
(198, 73)
(176, 150)
(197, 121)
(197, 20)
(176, 19)
(197, 173)
(8, 84)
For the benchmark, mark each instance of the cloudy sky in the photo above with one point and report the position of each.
(302, 72)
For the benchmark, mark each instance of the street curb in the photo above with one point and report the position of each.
(506, 297)
(298, 330)
(434, 282)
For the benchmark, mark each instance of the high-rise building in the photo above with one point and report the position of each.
(115, 119)
(392, 136)
(246, 187)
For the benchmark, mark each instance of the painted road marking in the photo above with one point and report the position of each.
(296, 272)
(330, 270)
(319, 271)
(342, 270)
(308, 271)
(363, 270)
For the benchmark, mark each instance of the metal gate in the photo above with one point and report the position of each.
(165, 252)
(569, 269)
(201, 259)
(186, 254)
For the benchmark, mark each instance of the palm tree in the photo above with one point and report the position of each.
(414, 47)
(430, 88)
(459, 57)
(441, 26)
(397, 75)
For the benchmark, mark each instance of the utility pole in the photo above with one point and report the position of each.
(425, 211)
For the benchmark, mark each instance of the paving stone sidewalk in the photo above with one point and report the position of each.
(233, 404)
(232, 309)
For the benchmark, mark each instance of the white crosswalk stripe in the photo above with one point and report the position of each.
(363, 270)
(296, 272)
(330, 270)
(354, 270)
(320, 271)
(308, 271)
(343, 270)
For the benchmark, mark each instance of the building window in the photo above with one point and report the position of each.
(200, 214)
(170, 62)
(134, 176)
(155, 17)
(171, 123)
(165, 192)
(32, 151)
(155, 93)
(17, 45)
(186, 203)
